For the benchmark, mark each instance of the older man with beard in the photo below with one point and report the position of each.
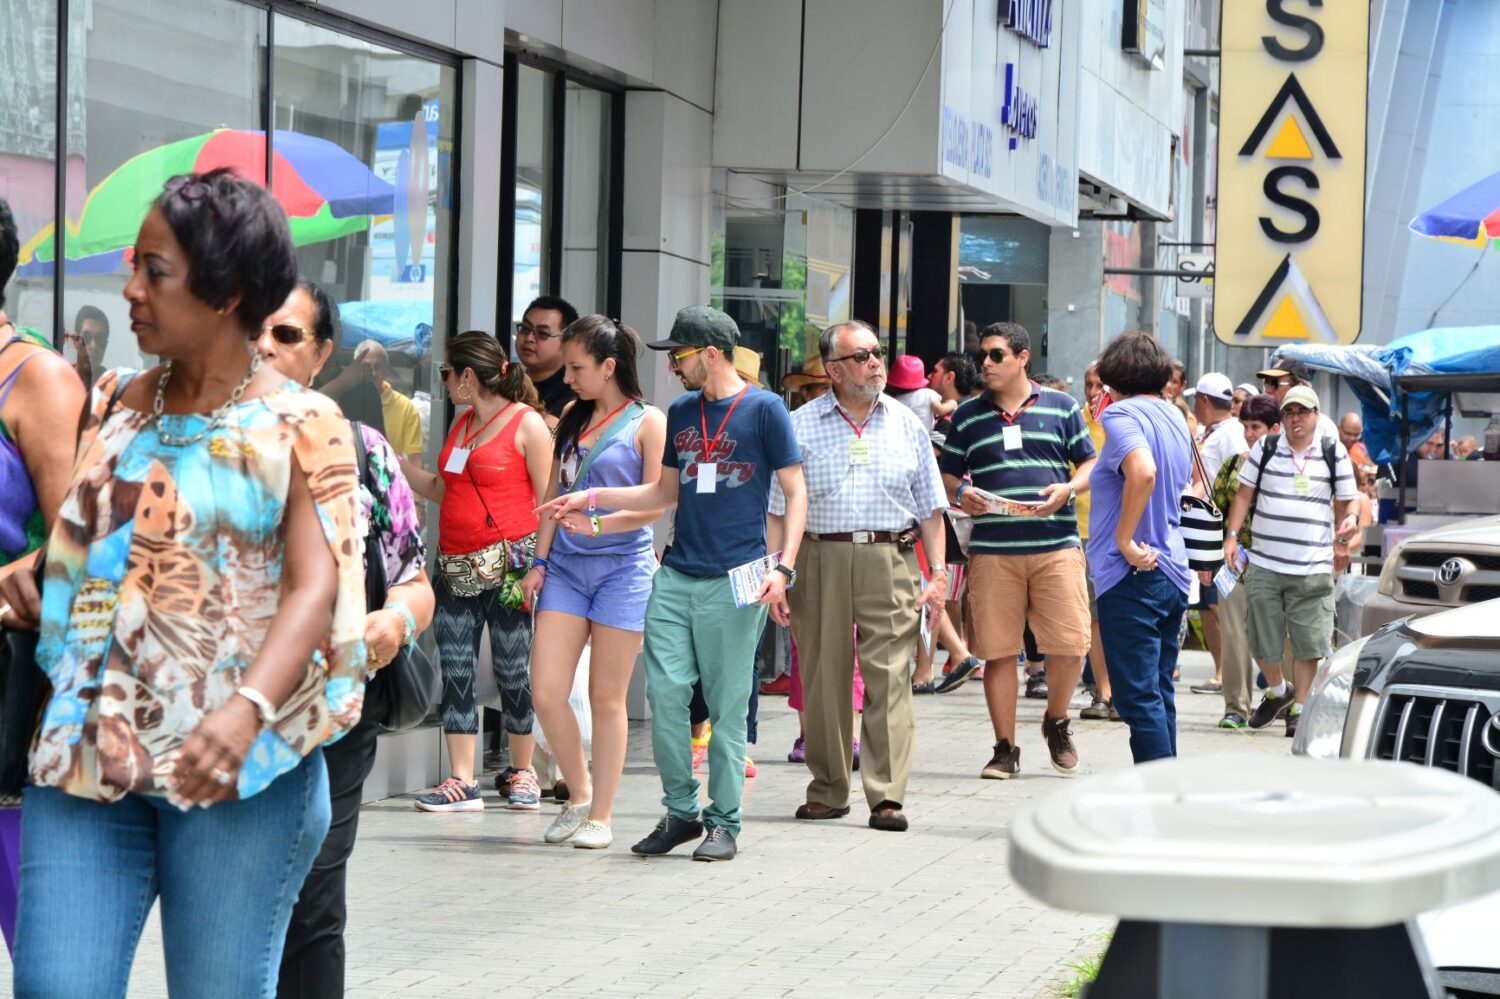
(873, 490)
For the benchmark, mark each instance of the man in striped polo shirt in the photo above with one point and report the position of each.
(1016, 457)
(1294, 501)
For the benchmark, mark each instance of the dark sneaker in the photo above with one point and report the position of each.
(502, 781)
(1060, 745)
(1036, 686)
(959, 675)
(799, 751)
(1271, 708)
(718, 844)
(452, 795)
(670, 833)
(1114, 712)
(1232, 720)
(1291, 724)
(1097, 711)
(1005, 764)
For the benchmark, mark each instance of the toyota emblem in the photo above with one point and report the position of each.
(1449, 571)
(1491, 728)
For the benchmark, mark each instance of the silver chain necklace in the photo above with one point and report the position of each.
(216, 419)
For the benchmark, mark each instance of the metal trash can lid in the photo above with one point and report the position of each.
(1263, 841)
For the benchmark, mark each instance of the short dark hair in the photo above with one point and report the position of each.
(831, 331)
(235, 236)
(1179, 367)
(91, 313)
(10, 247)
(1014, 334)
(965, 374)
(555, 303)
(1261, 408)
(327, 327)
(1135, 363)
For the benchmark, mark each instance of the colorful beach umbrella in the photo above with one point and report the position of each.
(1472, 216)
(326, 192)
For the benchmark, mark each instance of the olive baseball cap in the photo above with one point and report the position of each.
(700, 326)
(1300, 395)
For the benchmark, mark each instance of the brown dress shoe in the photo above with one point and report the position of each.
(888, 818)
(814, 811)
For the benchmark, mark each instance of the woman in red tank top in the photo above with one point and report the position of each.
(492, 470)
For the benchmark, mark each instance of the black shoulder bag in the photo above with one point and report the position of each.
(400, 694)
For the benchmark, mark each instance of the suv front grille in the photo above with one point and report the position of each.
(1419, 590)
(1433, 559)
(1439, 727)
(1475, 594)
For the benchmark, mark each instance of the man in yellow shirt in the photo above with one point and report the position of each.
(1101, 706)
(403, 423)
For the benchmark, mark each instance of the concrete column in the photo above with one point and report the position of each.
(1075, 300)
(668, 208)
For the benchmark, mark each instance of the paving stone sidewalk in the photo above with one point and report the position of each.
(475, 905)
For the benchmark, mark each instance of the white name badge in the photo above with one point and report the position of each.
(1010, 437)
(458, 460)
(708, 476)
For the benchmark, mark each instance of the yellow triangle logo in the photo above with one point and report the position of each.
(1290, 144)
(1286, 322)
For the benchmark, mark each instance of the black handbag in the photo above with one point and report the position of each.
(402, 693)
(25, 689)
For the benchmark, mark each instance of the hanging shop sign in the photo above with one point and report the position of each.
(1291, 192)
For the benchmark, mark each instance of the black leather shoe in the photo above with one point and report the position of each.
(717, 845)
(670, 833)
(822, 812)
(888, 820)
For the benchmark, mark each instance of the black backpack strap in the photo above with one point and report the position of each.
(1331, 457)
(1267, 448)
(375, 582)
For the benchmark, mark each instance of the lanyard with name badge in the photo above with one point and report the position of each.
(708, 469)
(859, 448)
(1010, 434)
(458, 457)
(1301, 484)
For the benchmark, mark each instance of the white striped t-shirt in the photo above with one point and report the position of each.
(1293, 531)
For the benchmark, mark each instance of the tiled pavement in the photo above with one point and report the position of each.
(475, 904)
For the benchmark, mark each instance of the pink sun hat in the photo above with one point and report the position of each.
(907, 373)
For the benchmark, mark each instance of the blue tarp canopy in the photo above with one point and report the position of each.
(403, 327)
(1372, 373)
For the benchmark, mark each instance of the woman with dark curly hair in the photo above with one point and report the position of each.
(202, 625)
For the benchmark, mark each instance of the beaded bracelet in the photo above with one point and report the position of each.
(411, 622)
(598, 527)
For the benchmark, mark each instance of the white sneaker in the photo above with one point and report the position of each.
(593, 836)
(567, 823)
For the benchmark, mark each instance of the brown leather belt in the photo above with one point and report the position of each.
(864, 537)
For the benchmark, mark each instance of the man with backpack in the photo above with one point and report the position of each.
(1295, 487)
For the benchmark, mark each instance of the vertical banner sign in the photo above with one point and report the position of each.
(1291, 233)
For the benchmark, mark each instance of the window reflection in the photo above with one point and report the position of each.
(586, 151)
(533, 186)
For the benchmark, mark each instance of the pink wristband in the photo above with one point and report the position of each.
(593, 494)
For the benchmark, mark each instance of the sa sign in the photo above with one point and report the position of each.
(1290, 241)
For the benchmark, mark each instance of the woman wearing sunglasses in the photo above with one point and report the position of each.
(202, 627)
(494, 467)
(297, 341)
(591, 580)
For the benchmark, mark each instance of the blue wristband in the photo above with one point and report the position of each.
(411, 622)
(961, 487)
(537, 560)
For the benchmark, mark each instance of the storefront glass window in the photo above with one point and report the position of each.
(147, 111)
(533, 126)
(1002, 273)
(380, 125)
(28, 150)
(585, 196)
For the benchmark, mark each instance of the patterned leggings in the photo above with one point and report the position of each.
(458, 623)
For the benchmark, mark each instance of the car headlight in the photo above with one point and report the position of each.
(1386, 587)
(1320, 730)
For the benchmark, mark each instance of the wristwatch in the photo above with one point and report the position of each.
(788, 572)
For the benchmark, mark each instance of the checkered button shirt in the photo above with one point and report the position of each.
(898, 487)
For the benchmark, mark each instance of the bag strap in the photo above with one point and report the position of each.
(376, 587)
(1208, 487)
(1267, 448)
(1331, 457)
(613, 428)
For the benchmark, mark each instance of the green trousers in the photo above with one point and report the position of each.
(694, 631)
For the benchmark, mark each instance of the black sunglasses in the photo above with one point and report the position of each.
(289, 334)
(524, 328)
(997, 355)
(861, 356)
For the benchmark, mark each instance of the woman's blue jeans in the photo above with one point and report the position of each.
(1139, 618)
(227, 876)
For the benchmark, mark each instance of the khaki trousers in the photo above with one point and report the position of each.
(873, 587)
(1234, 651)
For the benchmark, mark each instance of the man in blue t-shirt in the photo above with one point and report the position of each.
(725, 441)
(1015, 458)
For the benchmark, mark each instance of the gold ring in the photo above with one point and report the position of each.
(222, 776)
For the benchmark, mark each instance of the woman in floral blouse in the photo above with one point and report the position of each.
(297, 341)
(202, 625)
